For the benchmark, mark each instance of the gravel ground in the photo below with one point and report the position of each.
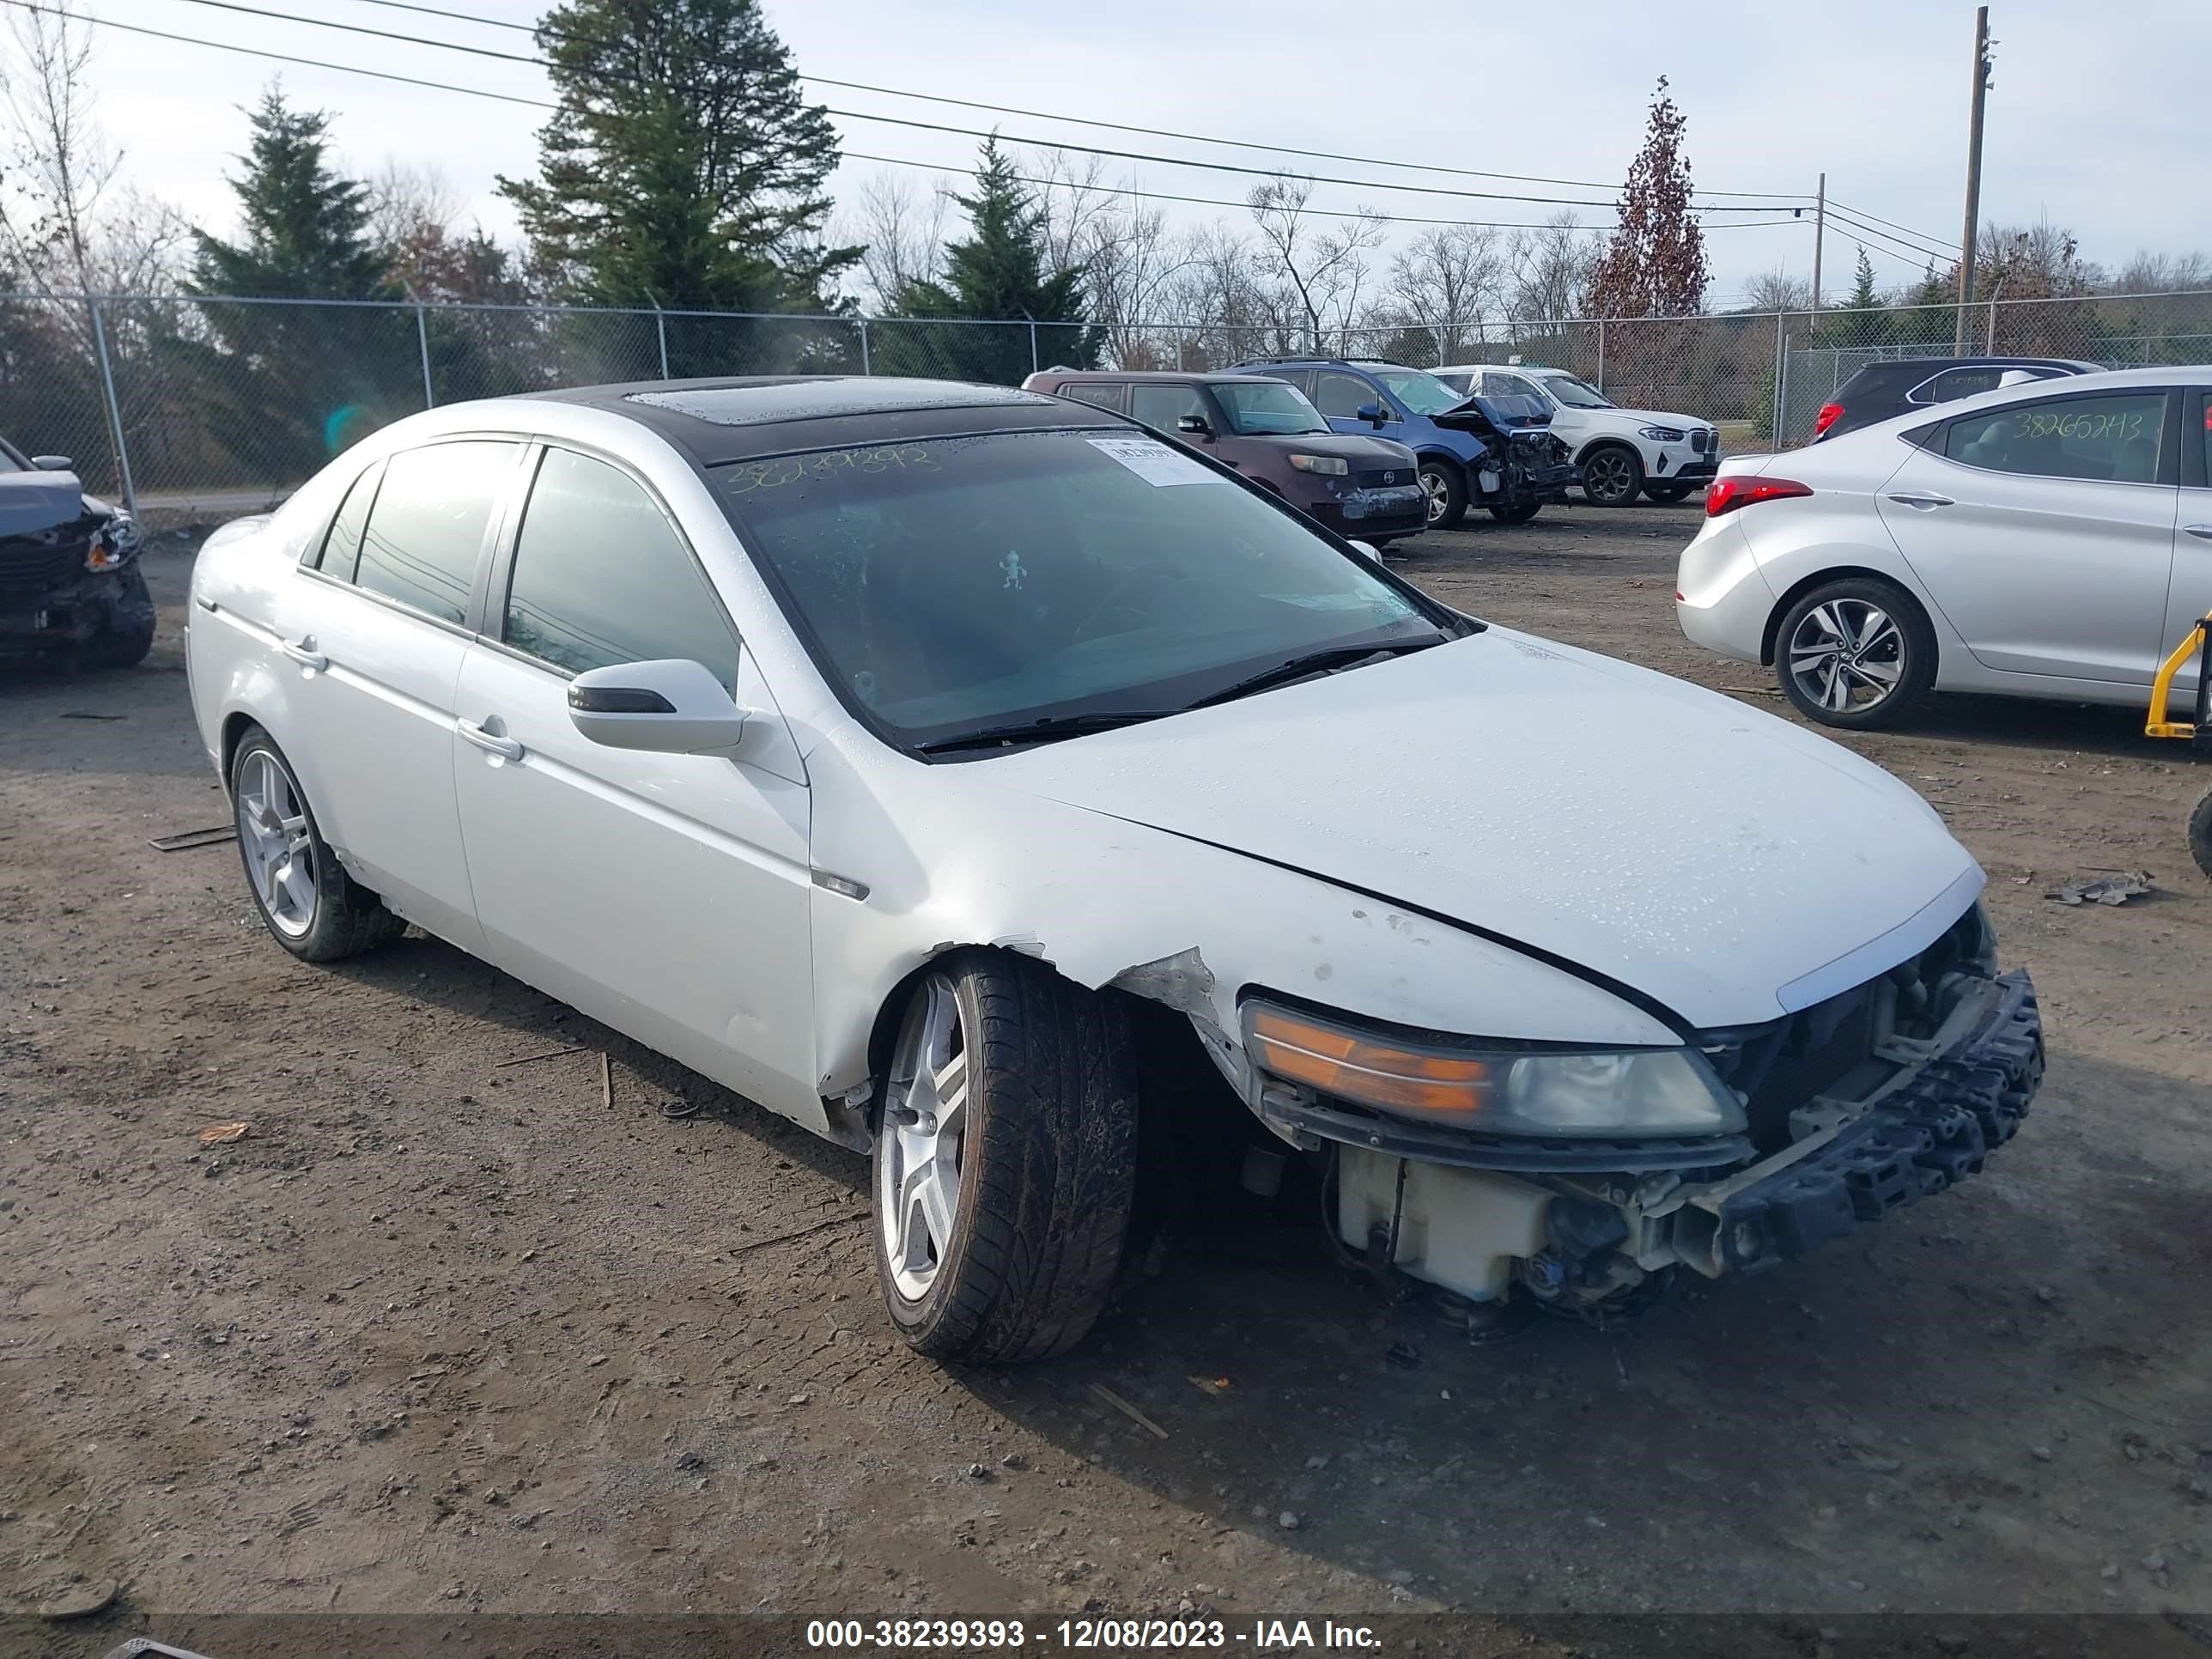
(443, 1332)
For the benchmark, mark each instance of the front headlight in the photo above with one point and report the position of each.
(1662, 435)
(1327, 465)
(1497, 1088)
(118, 540)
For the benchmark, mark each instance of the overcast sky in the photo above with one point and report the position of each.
(2095, 121)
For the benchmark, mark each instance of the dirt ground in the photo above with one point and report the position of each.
(444, 1332)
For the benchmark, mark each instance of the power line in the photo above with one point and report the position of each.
(533, 29)
(857, 155)
(937, 126)
(1918, 235)
(1891, 237)
(1883, 242)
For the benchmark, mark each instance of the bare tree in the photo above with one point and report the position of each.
(1447, 280)
(409, 204)
(1318, 275)
(2146, 272)
(902, 229)
(1551, 270)
(1778, 290)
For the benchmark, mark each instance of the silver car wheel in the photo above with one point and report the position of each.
(1438, 494)
(1847, 655)
(280, 852)
(924, 1127)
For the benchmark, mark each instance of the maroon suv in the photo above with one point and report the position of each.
(1368, 487)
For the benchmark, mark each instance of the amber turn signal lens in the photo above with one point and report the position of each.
(1362, 1069)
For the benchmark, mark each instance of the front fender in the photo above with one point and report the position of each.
(950, 859)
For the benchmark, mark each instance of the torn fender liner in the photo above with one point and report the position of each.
(1182, 982)
(1628, 993)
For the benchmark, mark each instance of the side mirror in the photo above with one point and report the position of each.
(1371, 551)
(1370, 413)
(1196, 425)
(52, 463)
(672, 706)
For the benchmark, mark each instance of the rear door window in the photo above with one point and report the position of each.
(2113, 439)
(1161, 406)
(426, 531)
(1340, 396)
(601, 577)
(1099, 396)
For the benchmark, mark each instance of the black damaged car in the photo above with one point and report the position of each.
(70, 586)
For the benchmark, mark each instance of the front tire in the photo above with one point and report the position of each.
(307, 902)
(1612, 474)
(1858, 653)
(1667, 494)
(127, 635)
(1444, 483)
(1006, 1160)
(1518, 512)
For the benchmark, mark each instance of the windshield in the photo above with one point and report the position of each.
(1576, 394)
(957, 584)
(1260, 408)
(10, 460)
(1419, 392)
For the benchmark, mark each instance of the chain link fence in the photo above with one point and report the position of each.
(201, 407)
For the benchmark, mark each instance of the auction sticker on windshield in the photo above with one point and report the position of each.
(1155, 463)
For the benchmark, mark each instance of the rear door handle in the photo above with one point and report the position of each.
(505, 748)
(2202, 531)
(1922, 499)
(303, 654)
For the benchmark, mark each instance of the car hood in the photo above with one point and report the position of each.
(1709, 857)
(1635, 417)
(32, 501)
(1356, 451)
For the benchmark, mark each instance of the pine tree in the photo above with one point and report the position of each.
(1863, 295)
(283, 387)
(997, 271)
(684, 168)
(1865, 322)
(1655, 263)
(304, 228)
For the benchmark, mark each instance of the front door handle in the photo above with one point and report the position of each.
(2202, 531)
(305, 654)
(1922, 499)
(490, 742)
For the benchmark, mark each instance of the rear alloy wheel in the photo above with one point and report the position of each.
(1006, 1160)
(315, 910)
(1444, 484)
(1667, 494)
(1611, 476)
(1858, 653)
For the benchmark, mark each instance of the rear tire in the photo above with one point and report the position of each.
(1444, 482)
(1858, 653)
(1667, 494)
(1612, 474)
(1006, 1160)
(307, 902)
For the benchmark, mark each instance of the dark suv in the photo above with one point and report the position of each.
(69, 581)
(1364, 487)
(1881, 389)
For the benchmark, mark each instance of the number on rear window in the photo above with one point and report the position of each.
(2113, 439)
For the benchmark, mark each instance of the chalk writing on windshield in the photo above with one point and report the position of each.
(751, 476)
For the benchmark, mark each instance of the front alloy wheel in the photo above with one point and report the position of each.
(1611, 476)
(1006, 1159)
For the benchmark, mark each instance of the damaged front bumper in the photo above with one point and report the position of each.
(75, 609)
(1587, 1223)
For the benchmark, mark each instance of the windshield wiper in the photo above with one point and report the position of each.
(1329, 660)
(1049, 729)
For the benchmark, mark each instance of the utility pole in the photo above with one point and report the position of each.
(1819, 235)
(1973, 177)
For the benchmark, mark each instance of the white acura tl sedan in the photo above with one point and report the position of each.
(2047, 540)
(991, 787)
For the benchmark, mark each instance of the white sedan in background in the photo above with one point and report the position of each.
(2047, 540)
(971, 776)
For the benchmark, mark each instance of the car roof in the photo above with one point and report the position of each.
(716, 421)
(1069, 376)
(1356, 365)
(2112, 380)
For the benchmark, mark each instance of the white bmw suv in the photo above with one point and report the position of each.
(1623, 453)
